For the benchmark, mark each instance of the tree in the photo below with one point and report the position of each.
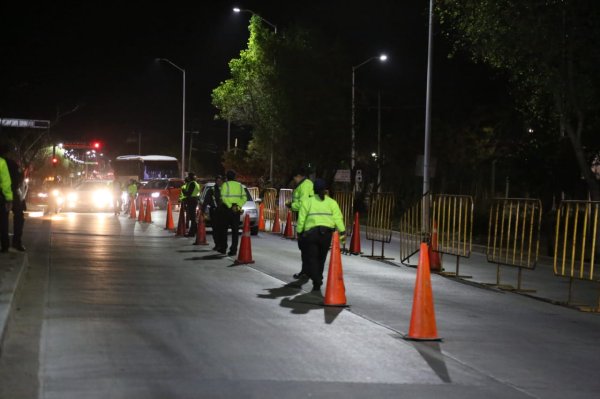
(548, 49)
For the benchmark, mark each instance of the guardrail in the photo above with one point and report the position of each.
(285, 196)
(576, 243)
(270, 201)
(379, 221)
(514, 236)
(411, 231)
(254, 193)
(345, 200)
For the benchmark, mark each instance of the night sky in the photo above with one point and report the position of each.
(100, 57)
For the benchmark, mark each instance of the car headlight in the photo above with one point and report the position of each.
(55, 193)
(42, 195)
(102, 198)
(72, 197)
(155, 195)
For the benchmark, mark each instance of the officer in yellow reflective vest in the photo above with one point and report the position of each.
(303, 192)
(6, 198)
(131, 192)
(233, 197)
(318, 218)
(191, 193)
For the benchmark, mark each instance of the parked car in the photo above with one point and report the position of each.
(90, 195)
(249, 208)
(161, 190)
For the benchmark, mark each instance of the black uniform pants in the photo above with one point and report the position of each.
(215, 221)
(191, 204)
(315, 245)
(4, 226)
(18, 221)
(229, 219)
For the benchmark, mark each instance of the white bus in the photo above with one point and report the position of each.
(143, 168)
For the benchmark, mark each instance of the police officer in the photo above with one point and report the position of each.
(303, 191)
(233, 197)
(318, 218)
(191, 192)
(131, 192)
(6, 198)
(212, 202)
(19, 192)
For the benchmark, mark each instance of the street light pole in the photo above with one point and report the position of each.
(426, 154)
(382, 57)
(272, 25)
(183, 116)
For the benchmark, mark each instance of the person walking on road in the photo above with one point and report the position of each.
(19, 192)
(303, 191)
(191, 191)
(318, 218)
(233, 197)
(6, 198)
(212, 202)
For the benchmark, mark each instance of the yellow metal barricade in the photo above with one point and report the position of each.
(452, 221)
(285, 196)
(411, 231)
(576, 243)
(270, 201)
(254, 193)
(514, 235)
(379, 221)
(345, 200)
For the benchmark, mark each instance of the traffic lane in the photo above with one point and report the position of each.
(528, 343)
(151, 316)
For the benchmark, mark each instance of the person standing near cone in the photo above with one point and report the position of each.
(233, 197)
(6, 200)
(212, 202)
(131, 192)
(191, 192)
(303, 192)
(318, 218)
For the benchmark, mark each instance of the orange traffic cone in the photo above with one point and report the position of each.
(201, 233)
(422, 320)
(355, 241)
(245, 254)
(335, 292)
(289, 228)
(181, 223)
(132, 211)
(169, 225)
(148, 218)
(141, 213)
(276, 227)
(261, 217)
(435, 259)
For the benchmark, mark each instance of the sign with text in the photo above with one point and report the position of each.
(342, 176)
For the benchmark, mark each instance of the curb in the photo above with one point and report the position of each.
(10, 279)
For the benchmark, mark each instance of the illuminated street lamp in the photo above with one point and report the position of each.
(272, 25)
(381, 58)
(183, 116)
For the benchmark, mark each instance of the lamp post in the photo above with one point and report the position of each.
(182, 118)
(381, 58)
(272, 25)
(427, 144)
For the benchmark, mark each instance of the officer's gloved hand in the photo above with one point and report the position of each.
(342, 238)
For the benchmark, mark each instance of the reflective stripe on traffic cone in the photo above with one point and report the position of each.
(169, 225)
(335, 292)
(201, 233)
(245, 253)
(276, 227)
(180, 232)
(355, 241)
(422, 320)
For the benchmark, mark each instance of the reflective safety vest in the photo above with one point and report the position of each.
(196, 189)
(316, 212)
(132, 190)
(5, 181)
(301, 194)
(232, 192)
(182, 192)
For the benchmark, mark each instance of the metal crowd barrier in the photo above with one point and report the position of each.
(452, 219)
(576, 244)
(254, 193)
(514, 235)
(379, 221)
(345, 200)
(270, 201)
(411, 231)
(285, 196)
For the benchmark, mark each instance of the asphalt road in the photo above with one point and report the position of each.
(111, 308)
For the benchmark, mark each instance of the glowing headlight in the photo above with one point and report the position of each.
(43, 195)
(155, 195)
(55, 193)
(72, 197)
(102, 198)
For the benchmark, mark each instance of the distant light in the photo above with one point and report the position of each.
(60, 145)
(236, 9)
(374, 155)
(530, 130)
(383, 57)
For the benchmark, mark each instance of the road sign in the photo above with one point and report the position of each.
(342, 176)
(359, 176)
(25, 123)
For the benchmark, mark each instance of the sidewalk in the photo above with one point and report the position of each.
(12, 268)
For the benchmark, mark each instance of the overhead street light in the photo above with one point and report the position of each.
(272, 25)
(382, 58)
(183, 115)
